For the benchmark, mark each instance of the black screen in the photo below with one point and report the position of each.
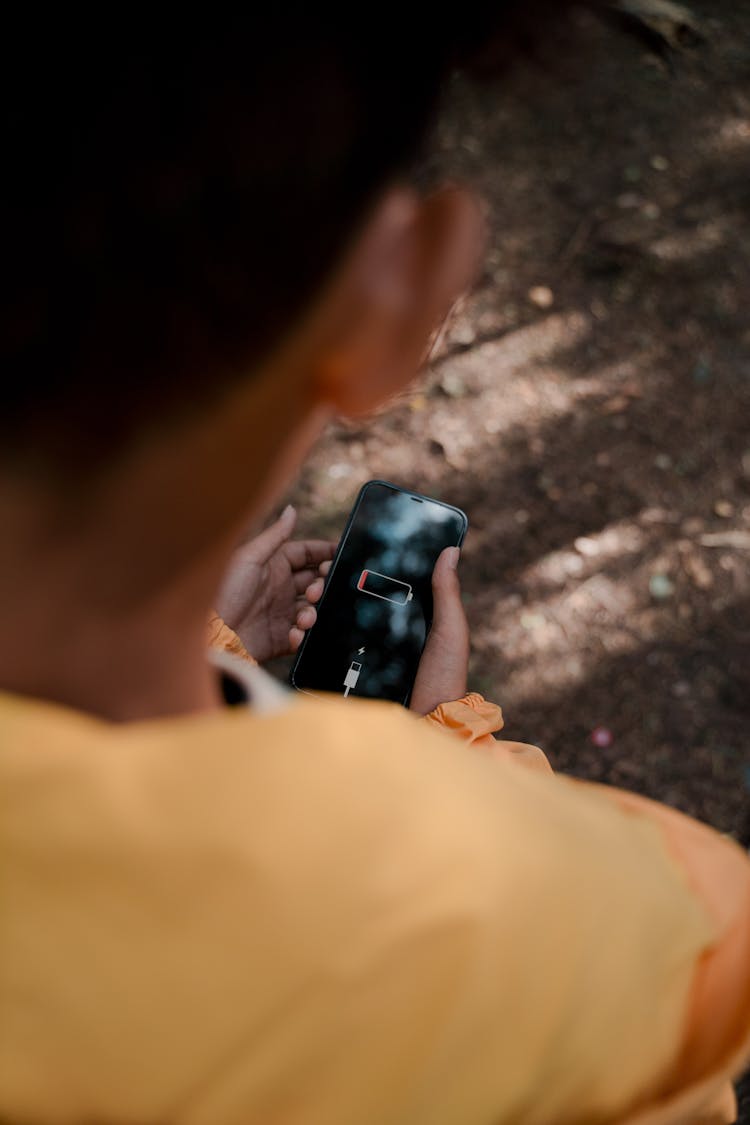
(376, 609)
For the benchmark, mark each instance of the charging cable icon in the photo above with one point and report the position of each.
(350, 680)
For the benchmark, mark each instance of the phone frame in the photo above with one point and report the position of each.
(418, 496)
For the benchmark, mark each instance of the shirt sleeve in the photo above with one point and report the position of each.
(223, 639)
(475, 721)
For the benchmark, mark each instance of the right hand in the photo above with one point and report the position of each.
(444, 666)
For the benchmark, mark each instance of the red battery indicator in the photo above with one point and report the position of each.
(383, 587)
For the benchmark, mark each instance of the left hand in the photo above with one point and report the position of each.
(264, 589)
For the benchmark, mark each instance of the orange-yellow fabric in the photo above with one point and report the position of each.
(219, 636)
(475, 720)
(472, 719)
(330, 914)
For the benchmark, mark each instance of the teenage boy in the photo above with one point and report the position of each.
(289, 910)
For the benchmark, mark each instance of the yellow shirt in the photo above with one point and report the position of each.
(327, 914)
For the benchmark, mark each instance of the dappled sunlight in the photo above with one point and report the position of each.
(688, 244)
(588, 408)
(728, 133)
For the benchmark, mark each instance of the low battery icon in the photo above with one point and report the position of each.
(383, 587)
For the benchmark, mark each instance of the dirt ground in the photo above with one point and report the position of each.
(588, 407)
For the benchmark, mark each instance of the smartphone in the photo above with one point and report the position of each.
(376, 608)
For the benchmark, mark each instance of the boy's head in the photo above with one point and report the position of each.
(176, 201)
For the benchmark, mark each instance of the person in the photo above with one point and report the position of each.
(287, 910)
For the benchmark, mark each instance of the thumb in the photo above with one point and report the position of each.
(263, 546)
(448, 612)
(443, 668)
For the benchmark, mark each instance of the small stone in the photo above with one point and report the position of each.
(651, 516)
(339, 471)
(541, 296)
(651, 211)
(629, 201)
(602, 737)
(724, 509)
(463, 334)
(572, 564)
(681, 690)
(453, 385)
(737, 540)
(632, 174)
(659, 163)
(698, 572)
(701, 373)
(615, 405)
(521, 516)
(532, 622)
(471, 145)
(587, 546)
(661, 587)
(663, 461)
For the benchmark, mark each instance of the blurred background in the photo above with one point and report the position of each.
(589, 405)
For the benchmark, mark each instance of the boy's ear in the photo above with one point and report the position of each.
(409, 266)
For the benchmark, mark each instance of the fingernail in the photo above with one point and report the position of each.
(454, 554)
(287, 511)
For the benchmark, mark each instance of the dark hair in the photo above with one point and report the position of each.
(172, 198)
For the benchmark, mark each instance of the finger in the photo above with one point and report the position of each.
(301, 579)
(314, 591)
(324, 568)
(303, 554)
(448, 616)
(306, 617)
(443, 668)
(296, 637)
(275, 535)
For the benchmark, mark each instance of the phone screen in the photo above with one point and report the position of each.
(376, 609)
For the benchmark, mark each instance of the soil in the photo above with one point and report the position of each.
(588, 407)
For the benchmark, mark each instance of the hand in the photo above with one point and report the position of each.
(444, 667)
(264, 590)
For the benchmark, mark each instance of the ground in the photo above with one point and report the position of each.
(588, 407)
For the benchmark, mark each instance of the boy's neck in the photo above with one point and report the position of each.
(68, 636)
(119, 674)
